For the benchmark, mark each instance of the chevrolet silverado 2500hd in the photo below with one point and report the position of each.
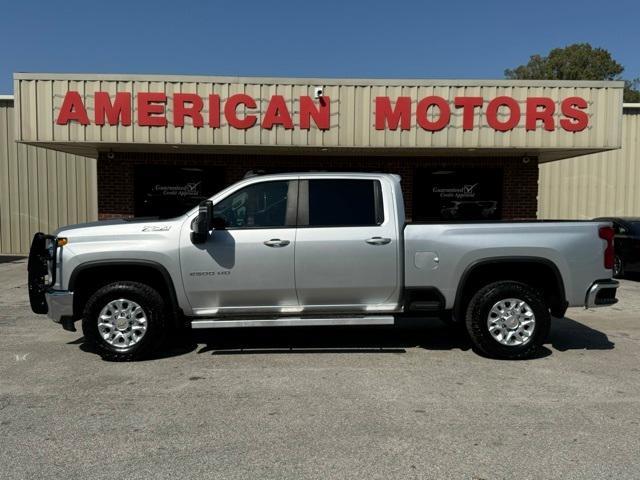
(316, 249)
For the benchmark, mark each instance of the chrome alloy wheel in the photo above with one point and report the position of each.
(122, 323)
(511, 322)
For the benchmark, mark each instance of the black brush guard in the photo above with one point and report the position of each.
(38, 269)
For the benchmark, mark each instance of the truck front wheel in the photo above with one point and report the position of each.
(508, 320)
(125, 320)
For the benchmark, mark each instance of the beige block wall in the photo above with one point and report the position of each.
(602, 184)
(40, 190)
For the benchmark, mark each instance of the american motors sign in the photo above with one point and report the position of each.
(90, 113)
(241, 111)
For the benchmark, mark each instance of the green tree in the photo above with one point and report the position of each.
(631, 91)
(579, 61)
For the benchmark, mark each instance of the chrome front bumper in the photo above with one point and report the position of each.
(60, 303)
(601, 294)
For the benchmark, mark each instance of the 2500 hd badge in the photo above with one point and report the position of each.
(209, 274)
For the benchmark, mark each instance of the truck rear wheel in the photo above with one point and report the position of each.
(125, 320)
(508, 320)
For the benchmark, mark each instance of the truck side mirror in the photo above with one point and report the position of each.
(203, 222)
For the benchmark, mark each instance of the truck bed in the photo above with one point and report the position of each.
(439, 253)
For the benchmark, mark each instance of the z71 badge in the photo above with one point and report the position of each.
(156, 228)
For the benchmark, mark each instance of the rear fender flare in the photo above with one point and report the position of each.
(556, 310)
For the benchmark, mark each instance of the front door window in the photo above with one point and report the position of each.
(259, 205)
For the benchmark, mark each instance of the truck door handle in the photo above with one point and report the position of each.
(276, 242)
(378, 241)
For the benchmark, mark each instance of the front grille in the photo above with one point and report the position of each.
(41, 270)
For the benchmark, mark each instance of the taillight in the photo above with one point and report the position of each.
(607, 233)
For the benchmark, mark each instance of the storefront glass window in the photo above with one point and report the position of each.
(169, 191)
(457, 194)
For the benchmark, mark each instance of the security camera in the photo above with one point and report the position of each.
(111, 155)
(317, 92)
(526, 160)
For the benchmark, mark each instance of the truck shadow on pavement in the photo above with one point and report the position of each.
(566, 334)
(298, 340)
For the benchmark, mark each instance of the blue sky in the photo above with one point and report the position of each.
(395, 38)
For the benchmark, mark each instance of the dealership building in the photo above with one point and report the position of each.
(79, 147)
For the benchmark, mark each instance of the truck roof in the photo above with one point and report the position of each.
(324, 174)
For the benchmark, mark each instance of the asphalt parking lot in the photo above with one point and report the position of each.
(320, 403)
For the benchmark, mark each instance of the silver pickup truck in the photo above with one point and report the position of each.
(316, 249)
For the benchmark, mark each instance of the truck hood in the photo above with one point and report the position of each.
(120, 227)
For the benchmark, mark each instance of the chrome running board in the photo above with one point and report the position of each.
(294, 322)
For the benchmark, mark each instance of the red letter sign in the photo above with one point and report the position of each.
(423, 109)
(277, 114)
(570, 110)
(149, 105)
(492, 114)
(118, 113)
(214, 111)
(401, 114)
(231, 114)
(546, 114)
(72, 109)
(468, 104)
(180, 110)
(321, 116)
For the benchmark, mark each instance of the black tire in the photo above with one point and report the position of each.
(153, 306)
(618, 267)
(480, 307)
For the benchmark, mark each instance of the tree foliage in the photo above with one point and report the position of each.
(631, 91)
(579, 61)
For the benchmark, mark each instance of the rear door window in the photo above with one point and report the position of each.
(343, 203)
